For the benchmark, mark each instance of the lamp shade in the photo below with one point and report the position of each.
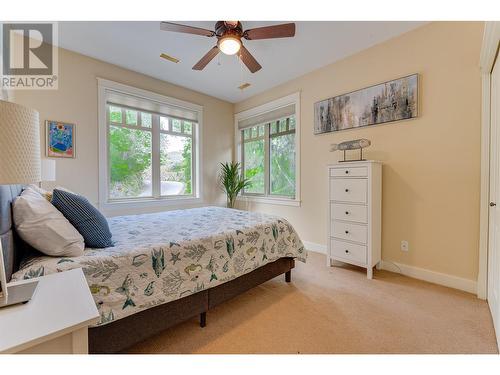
(19, 144)
(48, 170)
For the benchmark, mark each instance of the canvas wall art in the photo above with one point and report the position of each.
(60, 139)
(390, 101)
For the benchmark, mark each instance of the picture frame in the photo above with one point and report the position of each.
(389, 101)
(60, 139)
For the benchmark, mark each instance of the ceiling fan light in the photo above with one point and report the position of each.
(229, 45)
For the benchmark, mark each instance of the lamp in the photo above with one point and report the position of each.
(48, 170)
(19, 154)
(19, 144)
(229, 45)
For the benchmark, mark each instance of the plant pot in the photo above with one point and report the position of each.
(230, 202)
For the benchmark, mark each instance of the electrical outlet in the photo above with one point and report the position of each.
(405, 246)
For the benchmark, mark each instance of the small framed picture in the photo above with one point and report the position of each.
(60, 139)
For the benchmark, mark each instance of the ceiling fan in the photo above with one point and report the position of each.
(229, 35)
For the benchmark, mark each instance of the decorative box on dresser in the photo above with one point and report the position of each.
(355, 213)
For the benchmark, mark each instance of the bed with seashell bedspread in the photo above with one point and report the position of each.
(163, 257)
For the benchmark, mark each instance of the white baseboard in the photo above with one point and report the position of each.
(316, 247)
(444, 279)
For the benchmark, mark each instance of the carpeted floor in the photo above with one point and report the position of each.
(337, 310)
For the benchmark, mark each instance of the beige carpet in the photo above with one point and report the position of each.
(337, 310)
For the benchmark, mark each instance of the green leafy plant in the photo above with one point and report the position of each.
(232, 181)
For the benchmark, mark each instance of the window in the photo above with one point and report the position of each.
(130, 139)
(282, 158)
(268, 158)
(176, 151)
(150, 148)
(268, 151)
(130, 155)
(253, 160)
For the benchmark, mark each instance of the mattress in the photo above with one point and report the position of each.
(161, 257)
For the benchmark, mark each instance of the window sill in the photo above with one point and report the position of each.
(149, 203)
(270, 200)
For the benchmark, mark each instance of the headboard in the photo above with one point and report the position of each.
(13, 246)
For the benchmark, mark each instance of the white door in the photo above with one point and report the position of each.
(494, 222)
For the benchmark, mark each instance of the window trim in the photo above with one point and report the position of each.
(136, 203)
(259, 110)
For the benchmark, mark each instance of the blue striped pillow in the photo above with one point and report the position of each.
(87, 219)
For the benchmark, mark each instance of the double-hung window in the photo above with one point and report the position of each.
(149, 145)
(268, 150)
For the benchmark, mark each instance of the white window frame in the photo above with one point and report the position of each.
(144, 202)
(260, 110)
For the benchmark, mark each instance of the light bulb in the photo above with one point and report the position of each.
(229, 45)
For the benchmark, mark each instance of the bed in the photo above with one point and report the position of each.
(165, 267)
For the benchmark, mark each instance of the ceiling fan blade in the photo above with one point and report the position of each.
(177, 28)
(284, 30)
(249, 60)
(206, 59)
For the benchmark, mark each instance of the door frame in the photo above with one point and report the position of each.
(491, 37)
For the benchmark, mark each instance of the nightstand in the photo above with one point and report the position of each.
(54, 321)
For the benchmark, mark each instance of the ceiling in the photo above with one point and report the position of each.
(137, 46)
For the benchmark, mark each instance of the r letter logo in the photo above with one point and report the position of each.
(29, 56)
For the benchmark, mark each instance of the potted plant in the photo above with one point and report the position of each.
(232, 181)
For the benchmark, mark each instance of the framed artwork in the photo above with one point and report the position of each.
(60, 139)
(389, 101)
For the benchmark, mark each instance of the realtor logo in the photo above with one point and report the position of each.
(29, 56)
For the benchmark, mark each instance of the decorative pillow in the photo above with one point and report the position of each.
(87, 219)
(44, 193)
(43, 227)
(47, 194)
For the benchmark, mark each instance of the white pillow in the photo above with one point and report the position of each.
(37, 188)
(42, 226)
(47, 194)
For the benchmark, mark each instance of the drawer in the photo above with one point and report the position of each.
(349, 189)
(349, 172)
(349, 212)
(348, 251)
(349, 231)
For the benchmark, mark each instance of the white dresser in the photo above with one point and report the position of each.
(355, 219)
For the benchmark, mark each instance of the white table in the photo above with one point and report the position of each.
(54, 321)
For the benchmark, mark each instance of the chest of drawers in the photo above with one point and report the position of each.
(355, 213)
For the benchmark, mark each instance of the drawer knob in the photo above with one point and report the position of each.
(346, 232)
(347, 212)
(347, 251)
(346, 172)
(347, 190)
